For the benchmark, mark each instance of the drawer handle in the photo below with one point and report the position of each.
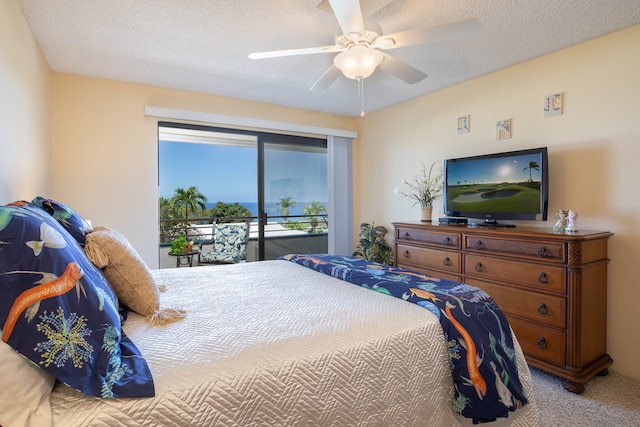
(448, 241)
(541, 343)
(542, 308)
(478, 267)
(407, 254)
(406, 235)
(479, 245)
(542, 278)
(447, 262)
(542, 252)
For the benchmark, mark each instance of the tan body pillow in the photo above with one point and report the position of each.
(128, 274)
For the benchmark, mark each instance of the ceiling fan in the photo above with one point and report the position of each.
(360, 47)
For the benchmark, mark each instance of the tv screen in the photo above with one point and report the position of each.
(501, 186)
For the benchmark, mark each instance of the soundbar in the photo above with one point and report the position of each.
(452, 220)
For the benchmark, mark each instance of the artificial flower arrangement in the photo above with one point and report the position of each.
(425, 188)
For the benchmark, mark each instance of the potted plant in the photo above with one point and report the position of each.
(179, 245)
(425, 188)
(372, 246)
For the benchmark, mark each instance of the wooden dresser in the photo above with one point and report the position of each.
(551, 286)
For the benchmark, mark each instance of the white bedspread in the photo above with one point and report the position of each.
(273, 343)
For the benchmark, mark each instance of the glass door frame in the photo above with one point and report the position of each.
(262, 138)
(274, 139)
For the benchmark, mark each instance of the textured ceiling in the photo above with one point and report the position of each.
(202, 45)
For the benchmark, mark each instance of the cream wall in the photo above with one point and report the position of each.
(104, 149)
(24, 109)
(593, 153)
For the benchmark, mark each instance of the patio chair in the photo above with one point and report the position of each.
(229, 243)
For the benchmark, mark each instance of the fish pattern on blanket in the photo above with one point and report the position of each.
(476, 332)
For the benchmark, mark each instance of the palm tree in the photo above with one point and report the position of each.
(312, 211)
(191, 198)
(166, 209)
(283, 206)
(532, 165)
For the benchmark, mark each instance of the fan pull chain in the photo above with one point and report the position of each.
(361, 94)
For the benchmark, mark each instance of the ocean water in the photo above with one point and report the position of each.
(270, 207)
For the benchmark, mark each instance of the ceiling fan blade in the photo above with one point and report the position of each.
(324, 5)
(327, 79)
(349, 16)
(451, 30)
(293, 52)
(368, 7)
(401, 70)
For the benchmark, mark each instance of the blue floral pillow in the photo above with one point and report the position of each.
(77, 226)
(59, 311)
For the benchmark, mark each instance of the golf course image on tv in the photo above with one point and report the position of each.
(510, 185)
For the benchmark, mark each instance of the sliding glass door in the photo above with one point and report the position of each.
(294, 195)
(280, 181)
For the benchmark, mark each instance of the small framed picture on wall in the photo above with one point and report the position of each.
(553, 105)
(503, 129)
(463, 124)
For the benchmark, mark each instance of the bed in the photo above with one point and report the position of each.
(274, 343)
(277, 343)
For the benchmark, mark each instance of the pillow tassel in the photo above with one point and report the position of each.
(166, 316)
(96, 255)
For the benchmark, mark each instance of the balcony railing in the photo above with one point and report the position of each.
(282, 235)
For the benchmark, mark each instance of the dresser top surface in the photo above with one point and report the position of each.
(522, 231)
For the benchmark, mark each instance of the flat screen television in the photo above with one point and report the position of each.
(497, 187)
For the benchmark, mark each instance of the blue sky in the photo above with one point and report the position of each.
(229, 173)
(222, 173)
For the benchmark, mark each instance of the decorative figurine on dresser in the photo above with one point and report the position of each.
(561, 224)
(572, 219)
(551, 286)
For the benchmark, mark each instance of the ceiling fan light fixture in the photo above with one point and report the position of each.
(358, 62)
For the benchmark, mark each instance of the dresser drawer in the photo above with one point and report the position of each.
(429, 258)
(540, 308)
(446, 240)
(540, 342)
(552, 278)
(551, 286)
(547, 251)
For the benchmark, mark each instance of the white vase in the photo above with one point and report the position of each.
(426, 213)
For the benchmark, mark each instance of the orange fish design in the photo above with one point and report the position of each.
(313, 260)
(420, 293)
(472, 363)
(33, 296)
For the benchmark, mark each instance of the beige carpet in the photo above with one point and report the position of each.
(613, 400)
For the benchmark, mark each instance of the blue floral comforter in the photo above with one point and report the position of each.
(477, 334)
